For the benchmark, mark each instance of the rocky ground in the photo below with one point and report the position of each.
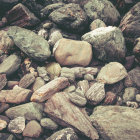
(69, 70)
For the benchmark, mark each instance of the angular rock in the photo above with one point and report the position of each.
(10, 64)
(71, 52)
(3, 81)
(3, 124)
(107, 118)
(64, 134)
(32, 129)
(108, 43)
(96, 93)
(70, 17)
(3, 107)
(17, 125)
(60, 109)
(30, 43)
(17, 95)
(46, 91)
(29, 110)
(112, 73)
(20, 16)
(102, 9)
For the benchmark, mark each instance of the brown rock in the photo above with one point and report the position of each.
(60, 109)
(3, 81)
(17, 95)
(46, 91)
(3, 107)
(20, 16)
(129, 63)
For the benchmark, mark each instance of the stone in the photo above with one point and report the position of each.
(7, 136)
(54, 69)
(43, 33)
(30, 43)
(129, 63)
(111, 73)
(47, 25)
(88, 77)
(70, 17)
(3, 107)
(69, 89)
(17, 125)
(71, 52)
(95, 94)
(17, 95)
(39, 82)
(26, 80)
(107, 118)
(83, 85)
(138, 98)
(64, 134)
(20, 16)
(97, 23)
(10, 64)
(46, 91)
(32, 129)
(48, 124)
(3, 124)
(29, 110)
(3, 81)
(11, 84)
(102, 9)
(132, 104)
(108, 43)
(6, 43)
(61, 110)
(129, 94)
(5, 118)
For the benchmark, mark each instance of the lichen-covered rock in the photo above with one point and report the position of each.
(107, 42)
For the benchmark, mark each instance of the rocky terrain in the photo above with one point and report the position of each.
(69, 70)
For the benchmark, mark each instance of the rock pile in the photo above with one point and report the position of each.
(69, 70)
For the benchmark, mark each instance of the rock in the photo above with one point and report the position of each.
(64, 134)
(70, 17)
(107, 118)
(17, 125)
(17, 95)
(88, 77)
(3, 81)
(47, 25)
(129, 94)
(69, 89)
(71, 52)
(3, 107)
(43, 33)
(102, 9)
(97, 23)
(7, 136)
(54, 69)
(129, 63)
(30, 43)
(60, 109)
(39, 82)
(6, 43)
(48, 124)
(133, 78)
(46, 91)
(10, 64)
(138, 98)
(11, 84)
(32, 129)
(96, 93)
(83, 85)
(27, 80)
(107, 42)
(130, 24)
(3, 124)
(132, 104)
(5, 118)
(112, 73)
(20, 16)
(29, 110)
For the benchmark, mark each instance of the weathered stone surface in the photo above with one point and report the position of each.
(70, 17)
(70, 89)
(107, 42)
(3, 81)
(60, 109)
(3, 124)
(17, 95)
(33, 45)
(71, 52)
(11, 84)
(7, 136)
(29, 110)
(47, 25)
(10, 64)
(17, 125)
(20, 16)
(138, 98)
(107, 118)
(64, 134)
(32, 129)
(43, 33)
(129, 62)
(3, 107)
(46, 91)
(27, 80)
(102, 9)
(112, 73)
(132, 104)
(48, 124)
(88, 77)
(83, 85)
(96, 93)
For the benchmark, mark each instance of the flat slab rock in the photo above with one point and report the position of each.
(117, 122)
(60, 109)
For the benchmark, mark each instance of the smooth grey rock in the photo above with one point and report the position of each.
(30, 43)
(107, 42)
